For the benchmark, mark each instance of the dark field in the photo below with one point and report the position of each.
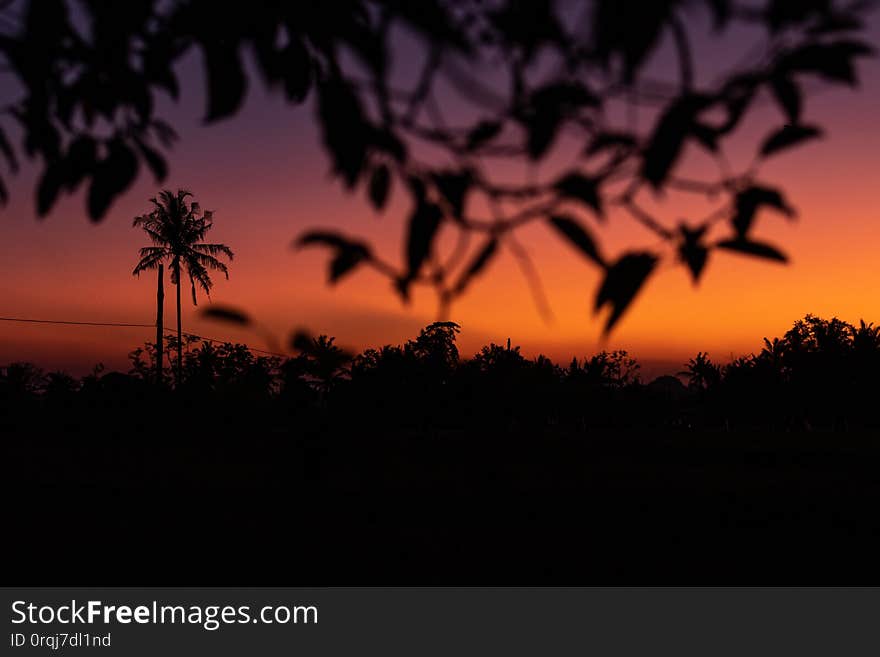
(452, 507)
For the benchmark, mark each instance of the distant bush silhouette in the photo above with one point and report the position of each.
(528, 72)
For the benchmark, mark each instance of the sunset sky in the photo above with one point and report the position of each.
(266, 177)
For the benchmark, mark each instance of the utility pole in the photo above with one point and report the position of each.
(160, 311)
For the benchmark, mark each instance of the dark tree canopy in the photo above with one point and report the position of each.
(526, 73)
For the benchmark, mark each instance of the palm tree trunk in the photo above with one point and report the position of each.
(160, 321)
(179, 334)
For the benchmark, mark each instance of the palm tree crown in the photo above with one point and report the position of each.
(177, 230)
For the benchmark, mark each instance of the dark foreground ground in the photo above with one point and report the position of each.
(447, 507)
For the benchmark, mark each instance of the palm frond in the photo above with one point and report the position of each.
(152, 250)
(214, 249)
(210, 263)
(148, 260)
(198, 274)
(177, 231)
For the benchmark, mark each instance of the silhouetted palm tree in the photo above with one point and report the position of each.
(701, 372)
(324, 361)
(177, 230)
(866, 338)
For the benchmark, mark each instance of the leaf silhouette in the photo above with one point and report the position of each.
(53, 178)
(569, 228)
(622, 282)
(349, 253)
(8, 152)
(297, 70)
(301, 340)
(692, 252)
(477, 265)
(577, 186)
(225, 79)
(666, 143)
(423, 225)
(629, 28)
(547, 108)
(788, 95)
(706, 136)
(610, 140)
(112, 176)
(788, 136)
(752, 248)
(541, 132)
(346, 134)
(483, 132)
(227, 314)
(380, 185)
(833, 61)
(80, 161)
(567, 96)
(750, 200)
(154, 160)
(454, 186)
(345, 261)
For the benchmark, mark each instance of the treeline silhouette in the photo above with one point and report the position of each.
(410, 464)
(821, 375)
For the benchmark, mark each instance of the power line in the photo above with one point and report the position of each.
(128, 325)
(54, 321)
(202, 337)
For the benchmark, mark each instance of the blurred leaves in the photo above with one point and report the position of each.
(477, 265)
(348, 253)
(753, 248)
(675, 125)
(576, 186)
(423, 225)
(226, 79)
(547, 108)
(692, 251)
(832, 61)
(89, 82)
(345, 130)
(380, 186)
(578, 236)
(629, 29)
(112, 175)
(750, 200)
(788, 95)
(788, 136)
(481, 133)
(227, 314)
(454, 186)
(622, 282)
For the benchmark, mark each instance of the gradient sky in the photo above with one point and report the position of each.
(266, 177)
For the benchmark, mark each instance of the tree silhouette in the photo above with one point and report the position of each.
(866, 339)
(530, 75)
(821, 375)
(435, 346)
(701, 372)
(322, 360)
(177, 229)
